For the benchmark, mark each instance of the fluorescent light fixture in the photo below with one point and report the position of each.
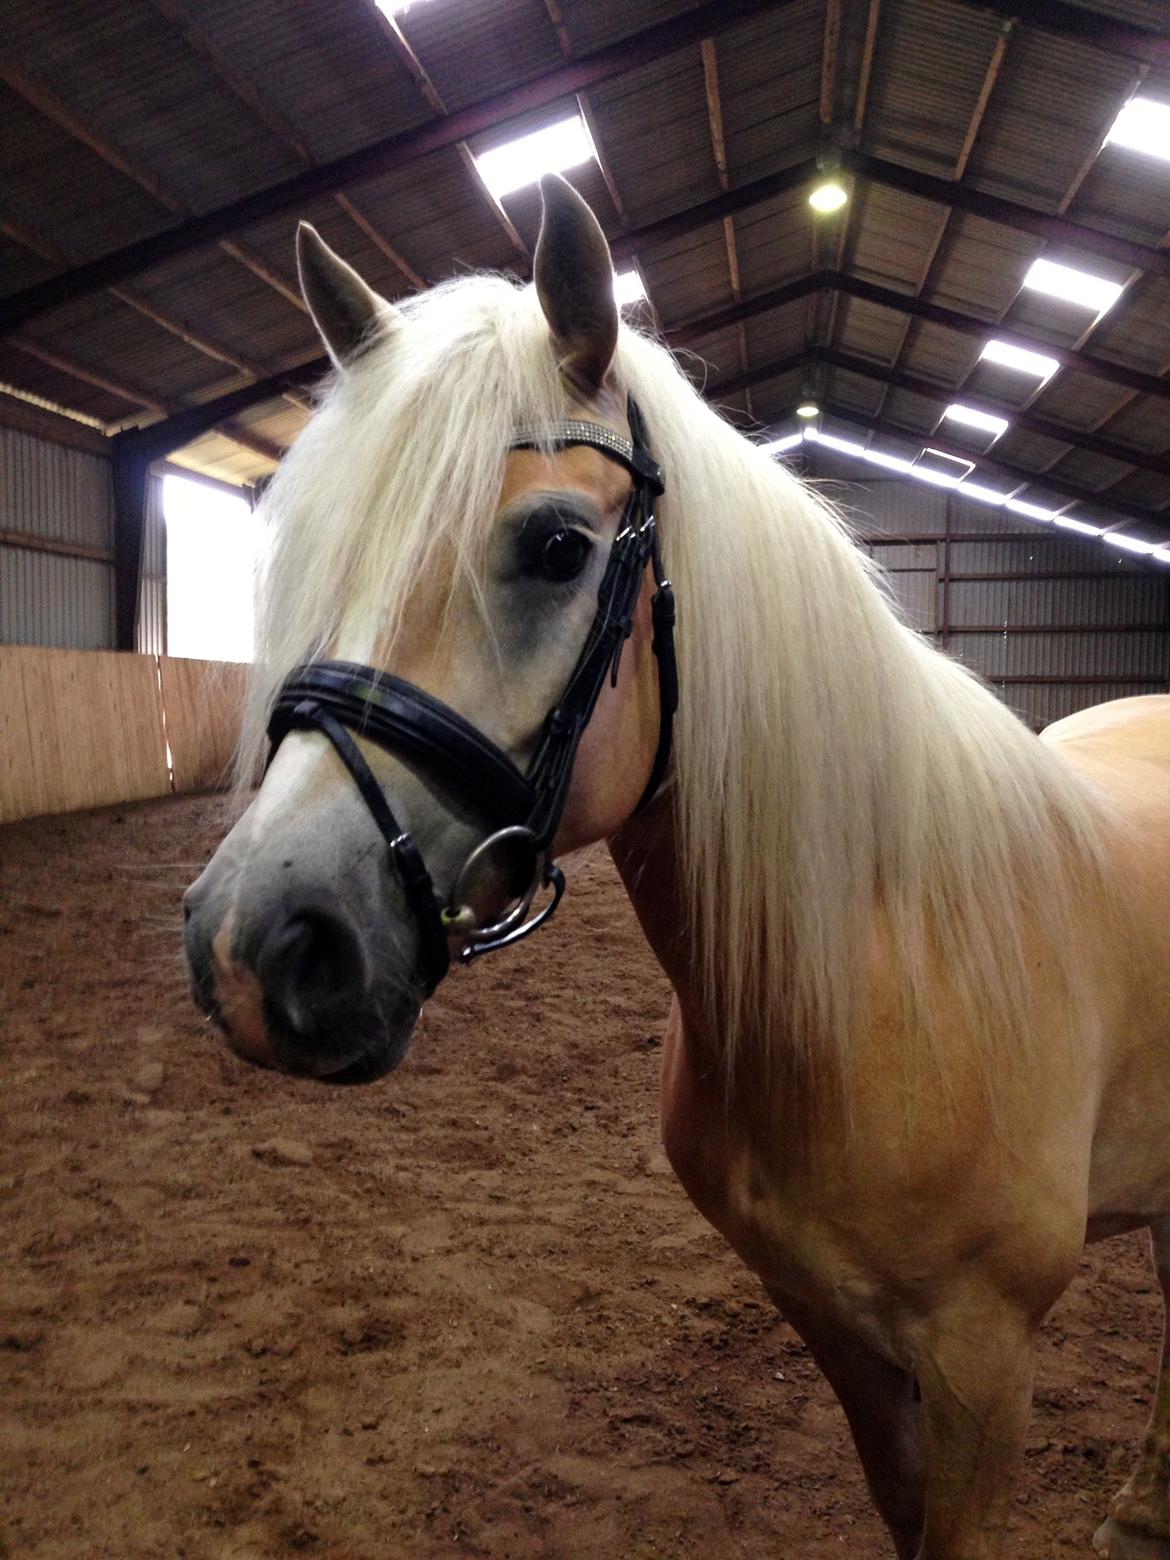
(808, 409)
(943, 478)
(981, 494)
(558, 147)
(1072, 286)
(844, 446)
(788, 442)
(1021, 506)
(971, 417)
(889, 462)
(1131, 544)
(1071, 523)
(627, 288)
(1162, 555)
(1007, 356)
(828, 197)
(1143, 125)
(395, 7)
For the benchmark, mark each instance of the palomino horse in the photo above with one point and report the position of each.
(920, 1040)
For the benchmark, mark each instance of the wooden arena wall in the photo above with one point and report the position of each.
(90, 728)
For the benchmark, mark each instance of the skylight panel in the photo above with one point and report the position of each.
(971, 417)
(949, 471)
(1008, 356)
(554, 149)
(628, 288)
(1072, 286)
(1143, 125)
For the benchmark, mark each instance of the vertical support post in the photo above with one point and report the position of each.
(131, 467)
(944, 580)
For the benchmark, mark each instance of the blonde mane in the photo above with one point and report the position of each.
(827, 759)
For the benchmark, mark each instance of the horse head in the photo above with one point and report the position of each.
(457, 672)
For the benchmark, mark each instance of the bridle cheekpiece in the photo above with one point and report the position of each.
(524, 809)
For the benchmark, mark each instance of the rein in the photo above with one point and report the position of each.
(336, 698)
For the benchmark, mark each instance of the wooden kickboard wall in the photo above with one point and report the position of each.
(90, 728)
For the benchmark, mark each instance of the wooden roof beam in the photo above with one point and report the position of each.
(930, 389)
(1009, 213)
(719, 153)
(391, 152)
(1018, 476)
(1091, 27)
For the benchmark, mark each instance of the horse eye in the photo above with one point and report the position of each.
(563, 556)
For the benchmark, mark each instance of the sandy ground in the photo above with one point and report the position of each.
(465, 1311)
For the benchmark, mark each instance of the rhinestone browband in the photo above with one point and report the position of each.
(573, 431)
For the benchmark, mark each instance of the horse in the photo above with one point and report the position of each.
(919, 1045)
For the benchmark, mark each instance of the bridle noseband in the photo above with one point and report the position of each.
(336, 698)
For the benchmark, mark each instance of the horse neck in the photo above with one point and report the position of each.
(649, 860)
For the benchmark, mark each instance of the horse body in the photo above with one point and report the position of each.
(921, 1210)
(920, 1040)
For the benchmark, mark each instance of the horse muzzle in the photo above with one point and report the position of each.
(296, 989)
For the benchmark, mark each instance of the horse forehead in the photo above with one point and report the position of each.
(579, 467)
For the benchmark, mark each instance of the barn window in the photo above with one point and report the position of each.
(212, 540)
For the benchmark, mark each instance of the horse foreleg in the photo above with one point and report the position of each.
(881, 1405)
(974, 1371)
(1138, 1526)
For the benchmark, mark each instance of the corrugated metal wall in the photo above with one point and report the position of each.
(1053, 622)
(58, 588)
(152, 595)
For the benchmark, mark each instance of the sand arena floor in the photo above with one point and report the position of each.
(464, 1312)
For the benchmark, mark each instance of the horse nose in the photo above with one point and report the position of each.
(312, 971)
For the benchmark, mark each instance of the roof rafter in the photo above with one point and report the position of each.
(1019, 476)
(689, 331)
(719, 153)
(391, 152)
(929, 269)
(33, 93)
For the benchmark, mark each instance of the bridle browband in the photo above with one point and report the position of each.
(524, 809)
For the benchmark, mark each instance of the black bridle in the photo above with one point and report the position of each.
(524, 809)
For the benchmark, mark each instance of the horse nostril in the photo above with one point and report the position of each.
(310, 966)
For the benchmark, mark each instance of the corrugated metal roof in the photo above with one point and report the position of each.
(332, 79)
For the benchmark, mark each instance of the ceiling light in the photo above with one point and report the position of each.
(788, 442)
(971, 417)
(1071, 523)
(808, 409)
(1162, 555)
(1072, 286)
(1144, 126)
(1021, 506)
(395, 7)
(828, 197)
(1131, 543)
(981, 494)
(628, 288)
(889, 462)
(560, 146)
(845, 446)
(1007, 356)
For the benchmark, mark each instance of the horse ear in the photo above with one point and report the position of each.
(344, 309)
(574, 282)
